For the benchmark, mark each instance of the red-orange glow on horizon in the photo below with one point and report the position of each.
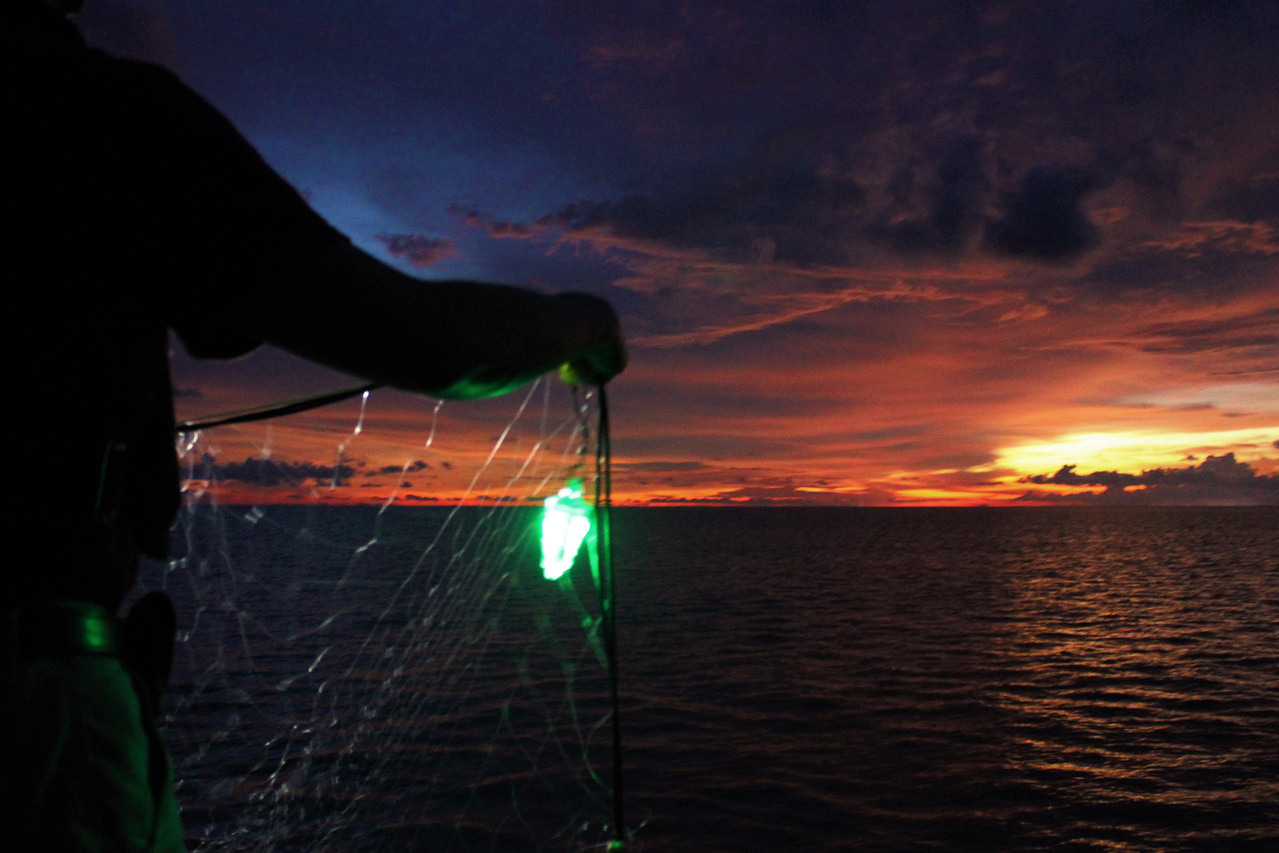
(941, 422)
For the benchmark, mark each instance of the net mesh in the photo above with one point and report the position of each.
(393, 674)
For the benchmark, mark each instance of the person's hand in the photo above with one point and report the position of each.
(605, 356)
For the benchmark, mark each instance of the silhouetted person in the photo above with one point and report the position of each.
(133, 207)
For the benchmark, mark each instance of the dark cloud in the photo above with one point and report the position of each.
(1042, 219)
(766, 496)
(495, 227)
(1255, 330)
(1066, 476)
(955, 198)
(1219, 240)
(269, 472)
(419, 465)
(659, 466)
(418, 249)
(799, 216)
(1209, 260)
(957, 460)
(1218, 479)
(936, 206)
(1251, 200)
(1071, 97)
(800, 136)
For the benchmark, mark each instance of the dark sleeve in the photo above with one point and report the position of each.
(250, 262)
(228, 225)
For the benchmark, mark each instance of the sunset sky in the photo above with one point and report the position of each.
(864, 252)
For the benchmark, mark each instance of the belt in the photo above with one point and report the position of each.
(64, 627)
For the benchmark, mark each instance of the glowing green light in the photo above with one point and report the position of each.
(565, 523)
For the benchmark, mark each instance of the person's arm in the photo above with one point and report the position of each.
(280, 274)
(454, 339)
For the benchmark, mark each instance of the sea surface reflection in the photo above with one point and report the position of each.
(792, 679)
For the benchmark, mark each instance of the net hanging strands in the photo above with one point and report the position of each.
(458, 548)
(604, 554)
(567, 521)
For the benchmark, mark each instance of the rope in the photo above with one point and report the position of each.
(275, 410)
(607, 589)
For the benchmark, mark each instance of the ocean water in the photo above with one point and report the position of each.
(791, 679)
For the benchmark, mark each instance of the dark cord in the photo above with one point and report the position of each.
(275, 410)
(608, 595)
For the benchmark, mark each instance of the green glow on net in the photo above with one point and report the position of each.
(565, 523)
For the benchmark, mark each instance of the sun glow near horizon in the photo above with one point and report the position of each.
(1132, 451)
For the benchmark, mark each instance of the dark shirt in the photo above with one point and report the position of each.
(133, 207)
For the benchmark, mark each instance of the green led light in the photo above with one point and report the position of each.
(565, 523)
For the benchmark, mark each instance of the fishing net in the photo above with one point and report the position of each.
(369, 656)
